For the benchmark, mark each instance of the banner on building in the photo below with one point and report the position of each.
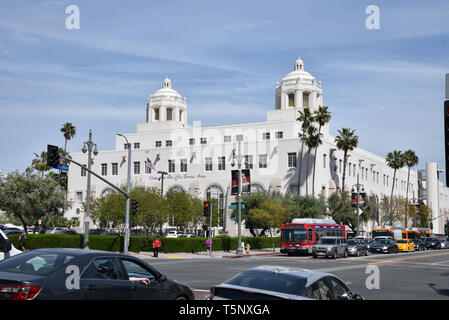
(246, 182)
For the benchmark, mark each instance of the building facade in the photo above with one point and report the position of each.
(199, 160)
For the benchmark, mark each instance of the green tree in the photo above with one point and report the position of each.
(410, 160)
(69, 131)
(346, 140)
(270, 216)
(29, 197)
(306, 119)
(395, 161)
(341, 210)
(39, 163)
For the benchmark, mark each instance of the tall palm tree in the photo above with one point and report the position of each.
(410, 159)
(69, 131)
(346, 141)
(322, 116)
(40, 163)
(394, 161)
(310, 140)
(306, 119)
(313, 141)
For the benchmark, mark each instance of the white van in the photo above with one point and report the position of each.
(7, 249)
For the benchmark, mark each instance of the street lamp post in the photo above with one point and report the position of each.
(88, 149)
(162, 173)
(239, 158)
(357, 186)
(128, 186)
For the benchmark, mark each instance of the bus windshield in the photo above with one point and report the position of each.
(294, 235)
(381, 233)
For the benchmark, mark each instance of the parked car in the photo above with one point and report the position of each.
(356, 247)
(444, 244)
(60, 230)
(279, 283)
(385, 246)
(369, 243)
(172, 234)
(405, 245)
(330, 247)
(43, 274)
(419, 245)
(13, 231)
(432, 243)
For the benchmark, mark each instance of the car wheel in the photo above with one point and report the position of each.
(367, 253)
(334, 256)
(346, 254)
(358, 253)
(315, 256)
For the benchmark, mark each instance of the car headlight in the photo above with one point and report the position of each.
(329, 249)
(384, 248)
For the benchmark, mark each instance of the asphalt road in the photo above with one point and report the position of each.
(404, 276)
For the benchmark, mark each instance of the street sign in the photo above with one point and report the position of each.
(235, 205)
(63, 167)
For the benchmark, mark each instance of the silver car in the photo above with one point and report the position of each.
(281, 283)
(330, 247)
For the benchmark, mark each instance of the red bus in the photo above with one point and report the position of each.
(301, 234)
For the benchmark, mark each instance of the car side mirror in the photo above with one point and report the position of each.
(162, 278)
(358, 297)
(5, 245)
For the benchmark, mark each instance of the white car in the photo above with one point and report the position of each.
(172, 234)
(7, 249)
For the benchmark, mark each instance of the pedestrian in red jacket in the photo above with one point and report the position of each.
(156, 245)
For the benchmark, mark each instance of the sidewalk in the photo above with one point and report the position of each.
(205, 255)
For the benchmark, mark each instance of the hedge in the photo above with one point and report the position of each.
(140, 243)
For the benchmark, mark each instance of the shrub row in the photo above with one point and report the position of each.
(140, 243)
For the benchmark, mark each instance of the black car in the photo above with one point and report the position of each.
(84, 275)
(419, 245)
(385, 246)
(432, 243)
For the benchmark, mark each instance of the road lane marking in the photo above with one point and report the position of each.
(410, 258)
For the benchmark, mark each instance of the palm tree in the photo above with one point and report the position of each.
(346, 141)
(69, 131)
(394, 161)
(313, 141)
(306, 119)
(322, 116)
(40, 163)
(410, 159)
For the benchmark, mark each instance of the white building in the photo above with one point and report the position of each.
(198, 159)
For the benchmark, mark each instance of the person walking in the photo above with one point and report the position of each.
(22, 239)
(156, 245)
(208, 244)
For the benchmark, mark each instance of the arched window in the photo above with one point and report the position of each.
(216, 192)
(106, 192)
(177, 189)
(291, 99)
(257, 187)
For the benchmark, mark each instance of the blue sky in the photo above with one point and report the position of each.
(225, 57)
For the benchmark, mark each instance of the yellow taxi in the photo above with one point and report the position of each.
(405, 245)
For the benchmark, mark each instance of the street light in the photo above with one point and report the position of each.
(357, 187)
(87, 147)
(161, 178)
(128, 184)
(239, 158)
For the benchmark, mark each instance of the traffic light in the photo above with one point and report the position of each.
(53, 156)
(446, 229)
(134, 206)
(206, 208)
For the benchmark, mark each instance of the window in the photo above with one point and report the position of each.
(135, 269)
(350, 166)
(104, 169)
(320, 291)
(192, 141)
(203, 141)
(103, 268)
(248, 162)
(125, 146)
(265, 136)
(291, 99)
(183, 165)
(340, 290)
(136, 167)
(353, 170)
(147, 168)
(340, 165)
(227, 139)
(292, 160)
(168, 143)
(279, 135)
(208, 164)
(305, 99)
(158, 144)
(36, 263)
(83, 171)
(156, 114)
(263, 161)
(171, 165)
(324, 161)
(114, 168)
(169, 114)
(79, 196)
(221, 163)
(136, 145)
(239, 137)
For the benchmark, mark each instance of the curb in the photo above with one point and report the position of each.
(251, 255)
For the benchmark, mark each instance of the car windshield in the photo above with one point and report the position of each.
(352, 242)
(35, 262)
(271, 281)
(327, 241)
(401, 241)
(383, 242)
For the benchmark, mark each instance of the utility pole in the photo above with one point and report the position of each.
(128, 186)
(239, 158)
(162, 173)
(89, 144)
